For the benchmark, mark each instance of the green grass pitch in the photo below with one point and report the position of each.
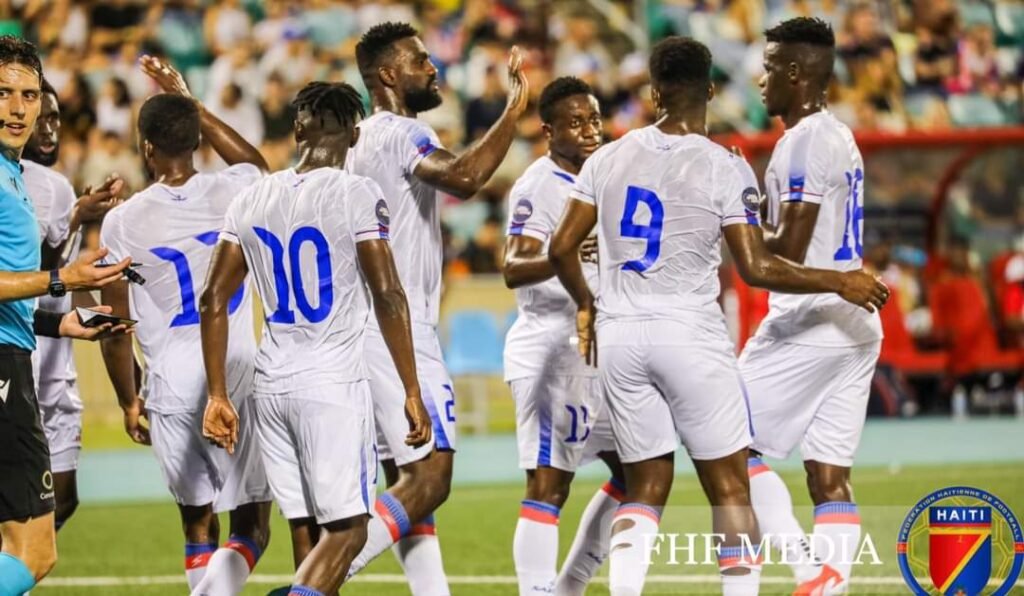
(137, 542)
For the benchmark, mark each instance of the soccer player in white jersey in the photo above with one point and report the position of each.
(404, 156)
(808, 369)
(170, 228)
(663, 197)
(60, 213)
(315, 238)
(559, 409)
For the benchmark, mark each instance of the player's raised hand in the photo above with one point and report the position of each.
(864, 289)
(419, 421)
(94, 204)
(86, 273)
(220, 422)
(164, 75)
(585, 332)
(588, 250)
(133, 416)
(518, 86)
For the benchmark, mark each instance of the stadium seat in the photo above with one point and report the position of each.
(899, 349)
(975, 110)
(961, 315)
(474, 351)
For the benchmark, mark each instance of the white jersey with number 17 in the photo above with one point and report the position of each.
(817, 161)
(662, 201)
(299, 234)
(171, 231)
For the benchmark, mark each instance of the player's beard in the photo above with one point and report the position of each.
(32, 153)
(423, 100)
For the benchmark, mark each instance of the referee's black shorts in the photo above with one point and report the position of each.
(26, 484)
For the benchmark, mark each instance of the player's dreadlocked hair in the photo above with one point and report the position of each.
(377, 41)
(339, 99)
(14, 50)
(812, 31)
(556, 91)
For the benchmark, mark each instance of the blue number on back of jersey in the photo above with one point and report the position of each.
(189, 314)
(650, 232)
(854, 218)
(325, 286)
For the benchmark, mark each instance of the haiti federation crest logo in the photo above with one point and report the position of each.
(960, 541)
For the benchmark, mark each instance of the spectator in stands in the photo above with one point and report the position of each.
(483, 111)
(869, 57)
(77, 116)
(278, 116)
(225, 24)
(109, 155)
(581, 43)
(935, 60)
(114, 108)
(976, 60)
(239, 112)
(292, 57)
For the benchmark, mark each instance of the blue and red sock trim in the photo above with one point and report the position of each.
(197, 554)
(837, 512)
(393, 514)
(303, 591)
(639, 509)
(424, 528)
(615, 489)
(755, 466)
(246, 547)
(738, 556)
(543, 513)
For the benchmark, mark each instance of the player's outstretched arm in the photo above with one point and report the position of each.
(120, 362)
(227, 272)
(82, 274)
(392, 312)
(791, 237)
(226, 141)
(577, 221)
(465, 174)
(760, 268)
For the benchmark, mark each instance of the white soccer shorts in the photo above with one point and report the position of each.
(812, 396)
(658, 395)
(319, 451)
(561, 421)
(389, 396)
(198, 472)
(60, 410)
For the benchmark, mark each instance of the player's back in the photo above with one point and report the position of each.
(389, 149)
(171, 231)
(662, 201)
(298, 232)
(817, 161)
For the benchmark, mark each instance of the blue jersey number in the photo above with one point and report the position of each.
(651, 232)
(580, 420)
(189, 314)
(854, 218)
(325, 285)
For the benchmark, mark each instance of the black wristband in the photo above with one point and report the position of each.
(47, 323)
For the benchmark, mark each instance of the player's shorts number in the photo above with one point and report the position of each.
(650, 232)
(325, 286)
(854, 219)
(189, 314)
(580, 420)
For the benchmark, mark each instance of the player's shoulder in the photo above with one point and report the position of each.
(389, 122)
(33, 170)
(241, 174)
(542, 172)
(822, 130)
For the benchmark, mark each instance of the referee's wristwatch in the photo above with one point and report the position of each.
(56, 287)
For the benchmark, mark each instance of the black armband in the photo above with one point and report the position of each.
(46, 323)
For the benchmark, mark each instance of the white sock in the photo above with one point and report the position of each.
(228, 568)
(388, 524)
(535, 547)
(628, 556)
(734, 557)
(197, 557)
(590, 546)
(773, 507)
(419, 553)
(837, 535)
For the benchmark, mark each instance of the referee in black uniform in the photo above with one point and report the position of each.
(27, 532)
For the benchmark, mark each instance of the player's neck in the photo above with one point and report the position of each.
(684, 122)
(802, 110)
(564, 162)
(389, 102)
(175, 173)
(313, 158)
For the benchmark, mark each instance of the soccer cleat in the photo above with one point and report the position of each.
(822, 585)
